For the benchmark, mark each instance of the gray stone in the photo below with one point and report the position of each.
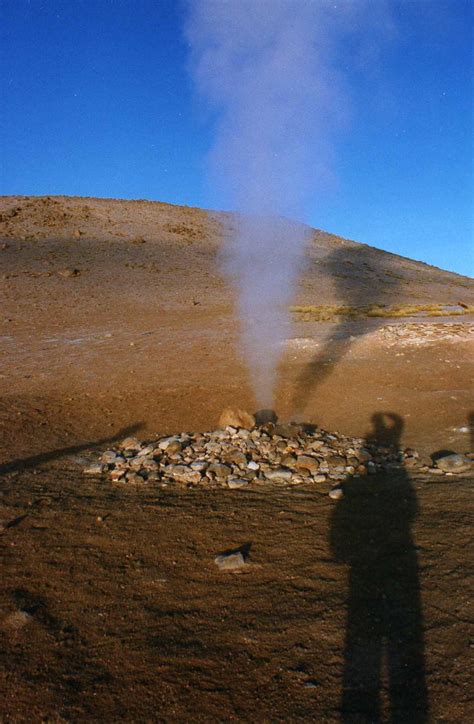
(297, 479)
(166, 441)
(454, 464)
(174, 447)
(363, 455)
(134, 478)
(194, 476)
(218, 470)
(199, 465)
(237, 457)
(150, 465)
(280, 474)
(230, 561)
(306, 462)
(183, 474)
(95, 469)
(336, 461)
(110, 457)
(135, 463)
(147, 450)
(237, 483)
(130, 443)
(320, 478)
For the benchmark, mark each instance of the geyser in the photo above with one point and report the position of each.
(264, 67)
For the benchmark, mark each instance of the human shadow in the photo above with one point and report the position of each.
(371, 533)
(362, 276)
(35, 460)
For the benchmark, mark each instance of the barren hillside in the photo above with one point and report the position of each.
(336, 268)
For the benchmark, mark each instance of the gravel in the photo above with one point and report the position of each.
(232, 457)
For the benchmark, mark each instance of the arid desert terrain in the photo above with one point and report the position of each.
(116, 320)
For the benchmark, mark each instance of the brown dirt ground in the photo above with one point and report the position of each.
(129, 619)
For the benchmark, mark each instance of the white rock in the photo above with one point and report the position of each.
(319, 478)
(130, 443)
(110, 457)
(279, 474)
(454, 463)
(148, 450)
(199, 465)
(166, 442)
(95, 469)
(229, 561)
(237, 483)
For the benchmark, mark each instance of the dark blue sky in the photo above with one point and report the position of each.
(97, 101)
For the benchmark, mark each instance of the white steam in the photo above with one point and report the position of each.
(266, 68)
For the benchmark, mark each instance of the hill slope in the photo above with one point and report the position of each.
(337, 270)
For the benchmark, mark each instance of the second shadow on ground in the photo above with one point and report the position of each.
(361, 277)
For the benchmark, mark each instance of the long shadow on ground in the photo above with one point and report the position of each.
(371, 533)
(35, 460)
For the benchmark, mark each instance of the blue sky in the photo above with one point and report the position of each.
(97, 101)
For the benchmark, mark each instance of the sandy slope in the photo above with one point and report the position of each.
(129, 620)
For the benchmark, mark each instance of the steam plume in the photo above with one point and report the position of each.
(265, 67)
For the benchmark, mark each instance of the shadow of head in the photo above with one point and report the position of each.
(387, 428)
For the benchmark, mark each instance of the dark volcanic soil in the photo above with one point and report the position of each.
(111, 605)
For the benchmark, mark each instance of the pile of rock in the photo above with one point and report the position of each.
(236, 457)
